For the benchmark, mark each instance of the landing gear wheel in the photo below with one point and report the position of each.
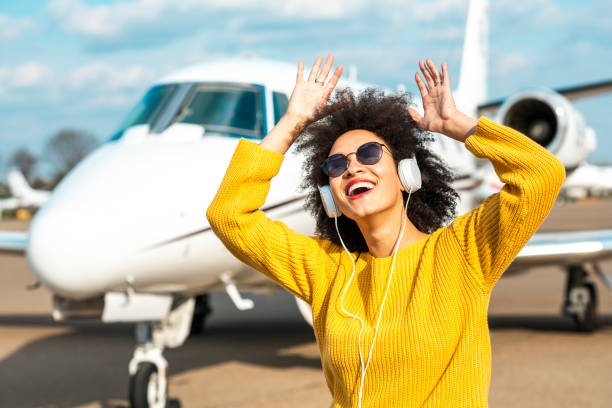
(586, 321)
(201, 311)
(143, 387)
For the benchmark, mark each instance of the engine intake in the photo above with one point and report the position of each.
(549, 119)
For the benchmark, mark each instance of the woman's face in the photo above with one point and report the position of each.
(384, 188)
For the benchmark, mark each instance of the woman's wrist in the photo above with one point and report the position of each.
(282, 135)
(460, 126)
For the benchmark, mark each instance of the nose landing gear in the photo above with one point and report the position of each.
(148, 387)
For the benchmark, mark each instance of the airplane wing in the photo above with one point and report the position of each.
(564, 249)
(13, 242)
(572, 93)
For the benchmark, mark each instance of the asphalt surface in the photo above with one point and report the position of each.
(267, 357)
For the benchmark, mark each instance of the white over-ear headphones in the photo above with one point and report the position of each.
(409, 174)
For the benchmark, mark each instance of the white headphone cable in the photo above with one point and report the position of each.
(364, 369)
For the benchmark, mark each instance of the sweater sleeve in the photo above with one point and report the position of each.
(293, 260)
(493, 234)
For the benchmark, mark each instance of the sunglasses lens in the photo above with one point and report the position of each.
(335, 165)
(369, 153)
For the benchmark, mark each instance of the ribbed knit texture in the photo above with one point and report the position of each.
(432, 348)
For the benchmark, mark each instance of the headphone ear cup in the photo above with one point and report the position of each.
(409, 174)
(331, 208)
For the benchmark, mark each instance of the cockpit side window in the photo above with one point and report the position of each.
(147, 109)
(280, 102)
(234, 110)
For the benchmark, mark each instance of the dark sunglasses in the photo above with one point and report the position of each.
(368, 153)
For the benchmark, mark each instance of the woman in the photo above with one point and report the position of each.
(401, 316)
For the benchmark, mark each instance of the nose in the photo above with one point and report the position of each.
(354, 166)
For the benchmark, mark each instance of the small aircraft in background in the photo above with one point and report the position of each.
(20, 188)
(24, 196)
(124, 236)
(587, 181)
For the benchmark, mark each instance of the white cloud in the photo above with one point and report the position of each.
(510, 63)
(110, 77)
(540, 12)
(107, 21)
(93, 84)
(13, 27)
(28, 81)
(448, 33)
(432, 10)
(30, 74)
(103, 20)
(316, 8)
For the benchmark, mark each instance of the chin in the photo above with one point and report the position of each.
(360, 212)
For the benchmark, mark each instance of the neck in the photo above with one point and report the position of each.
(382, 230)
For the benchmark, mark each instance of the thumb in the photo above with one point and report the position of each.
(415, 116)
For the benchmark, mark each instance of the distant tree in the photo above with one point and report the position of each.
(24, 161)
(65, 149)
(4, 190)
(40, 184)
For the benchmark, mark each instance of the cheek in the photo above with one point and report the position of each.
(336, 188)
(387, 176)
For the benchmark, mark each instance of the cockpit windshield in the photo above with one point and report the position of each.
(229, 109)
(147, 109)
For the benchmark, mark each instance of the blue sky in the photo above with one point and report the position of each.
(83, 63)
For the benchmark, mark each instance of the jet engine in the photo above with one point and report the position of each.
(551, 120)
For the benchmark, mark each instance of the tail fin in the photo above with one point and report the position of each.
(18, 184)
(472, 87)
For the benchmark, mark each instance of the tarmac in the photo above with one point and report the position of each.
(267, 357)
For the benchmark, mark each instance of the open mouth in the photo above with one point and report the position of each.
(359, 188)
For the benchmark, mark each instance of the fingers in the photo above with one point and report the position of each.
(432, 75)
(333, 80)
(430, 81)
(422, 88)
(445, 76)
(434, 71)
(326, 68)
(315, 69)
(415, 116)
(300, 71)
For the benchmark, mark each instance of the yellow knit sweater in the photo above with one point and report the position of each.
(432, 348)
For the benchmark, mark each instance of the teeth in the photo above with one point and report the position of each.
(366, 184)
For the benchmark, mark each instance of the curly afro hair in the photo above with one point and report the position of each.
(430, 208)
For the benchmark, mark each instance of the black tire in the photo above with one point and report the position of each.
(200, 313)
(173, 403)
(589, 322)
(139, 385)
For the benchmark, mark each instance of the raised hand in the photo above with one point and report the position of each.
(313, 93)
(307, 96)
(440, 112)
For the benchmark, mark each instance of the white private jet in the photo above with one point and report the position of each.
(124, 236)
(28, 196)
(24, 196)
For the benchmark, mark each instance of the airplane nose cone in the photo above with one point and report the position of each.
(70, 237)
(67, 261)
(96, 231)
